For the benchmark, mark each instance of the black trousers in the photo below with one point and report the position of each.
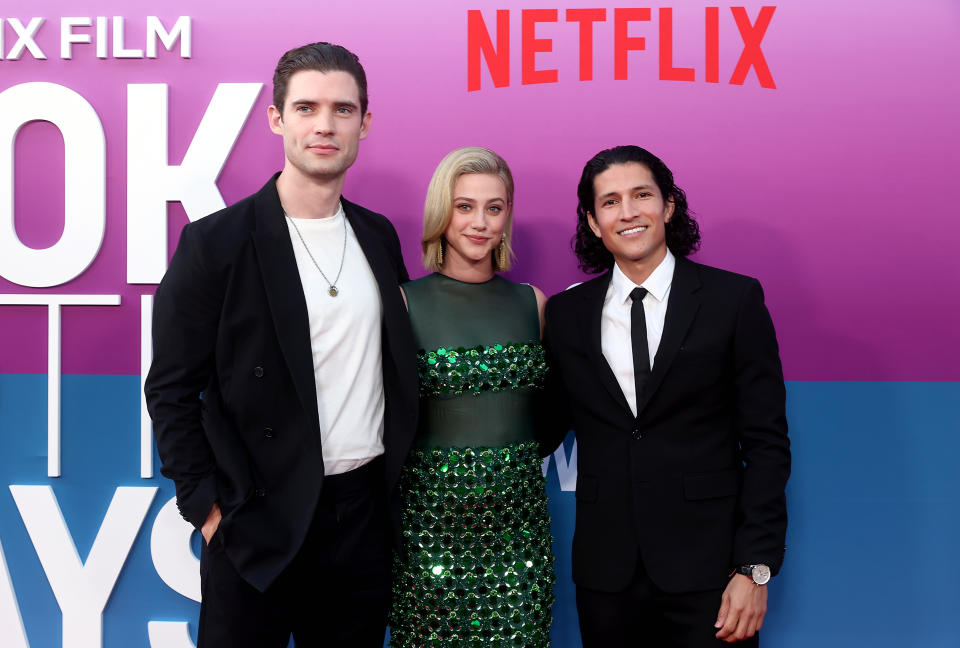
(645, 616)
(335, 593)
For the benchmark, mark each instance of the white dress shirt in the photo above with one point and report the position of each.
(615, 338)
(345, 340)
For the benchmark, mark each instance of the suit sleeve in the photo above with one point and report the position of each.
(552, 411)
(185, 319)
(762, 429)
(397, 251)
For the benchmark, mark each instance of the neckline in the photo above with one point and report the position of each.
(335, 217)
(318, 225)
(467, 283)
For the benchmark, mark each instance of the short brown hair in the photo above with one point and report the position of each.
(322, 57)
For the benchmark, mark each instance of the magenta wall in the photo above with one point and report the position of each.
(832, 188)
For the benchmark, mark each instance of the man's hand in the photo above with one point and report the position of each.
(742, 609)
(213, 521)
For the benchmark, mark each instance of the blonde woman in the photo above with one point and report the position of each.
(476, 565)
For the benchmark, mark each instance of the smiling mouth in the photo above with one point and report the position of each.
(479, 240)
(633, 230)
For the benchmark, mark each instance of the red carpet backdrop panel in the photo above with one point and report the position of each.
(818, 145)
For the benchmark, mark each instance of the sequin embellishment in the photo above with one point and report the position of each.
(452, 372)
(476, 567)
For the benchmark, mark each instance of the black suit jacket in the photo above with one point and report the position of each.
(695, 483)
(232, 391)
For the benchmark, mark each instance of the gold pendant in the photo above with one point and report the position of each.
(333, 291)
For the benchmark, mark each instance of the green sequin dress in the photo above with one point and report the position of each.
(476, 567)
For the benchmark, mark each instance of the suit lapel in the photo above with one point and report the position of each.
(682, 308)
(592, 316)
(288, 306)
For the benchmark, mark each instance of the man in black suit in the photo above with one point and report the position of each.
(283, 387)
(672, 380)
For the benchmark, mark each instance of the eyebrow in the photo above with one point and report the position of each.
(615, 193)
(497, 199)
(311, 102)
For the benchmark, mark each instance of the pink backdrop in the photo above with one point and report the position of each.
(835, 188)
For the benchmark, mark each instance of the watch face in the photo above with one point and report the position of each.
(761, 574)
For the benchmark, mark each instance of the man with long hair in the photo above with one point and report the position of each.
(669, 373)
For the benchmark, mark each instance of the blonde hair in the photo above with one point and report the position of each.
(438, 206)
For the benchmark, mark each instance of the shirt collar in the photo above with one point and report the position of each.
(656, 284)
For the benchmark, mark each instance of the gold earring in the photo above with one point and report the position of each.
(502, 254)
(440, 254)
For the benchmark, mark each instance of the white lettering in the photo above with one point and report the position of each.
(85, 215)
(170, 549)
(119, 50)
(151, 181)
(101, 37)
(25, 39)
(12, 632)
(146, 357)
(180, 30)
(54, 302)
(82, 589)
(68, 38)
(566, 467)
(169, 634)
(178, 568)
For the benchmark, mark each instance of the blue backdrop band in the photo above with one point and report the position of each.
(871, 556)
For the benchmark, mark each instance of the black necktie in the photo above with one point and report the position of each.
(638, 337)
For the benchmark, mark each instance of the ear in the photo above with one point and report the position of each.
(365, 125)
(275, 118)
(668, 209)
(594, 226)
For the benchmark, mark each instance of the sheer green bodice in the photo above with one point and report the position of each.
(479, 360)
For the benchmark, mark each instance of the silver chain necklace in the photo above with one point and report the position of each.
(333, 292)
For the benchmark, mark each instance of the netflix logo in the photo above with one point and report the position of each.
(488, 42)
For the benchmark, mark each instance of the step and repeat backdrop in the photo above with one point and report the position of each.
(819, 146)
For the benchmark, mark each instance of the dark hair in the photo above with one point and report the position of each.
(682, 231)
(322, 57)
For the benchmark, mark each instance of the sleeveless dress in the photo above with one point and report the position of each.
(476, 566)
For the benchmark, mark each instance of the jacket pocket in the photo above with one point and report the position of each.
(711, 485)
(216, 540)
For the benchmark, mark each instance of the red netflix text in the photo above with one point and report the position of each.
(488, 41)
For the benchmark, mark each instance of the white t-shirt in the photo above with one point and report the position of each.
(345, 339)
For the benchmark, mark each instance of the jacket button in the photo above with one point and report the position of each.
(260, 492)
(268, 432)
(636, 434)
(258, 372)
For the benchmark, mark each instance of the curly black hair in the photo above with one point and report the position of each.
(682, 231)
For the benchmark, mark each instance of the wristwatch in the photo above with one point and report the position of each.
(759, 573)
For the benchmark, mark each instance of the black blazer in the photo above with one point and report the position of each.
(695, 483)
(231, 389)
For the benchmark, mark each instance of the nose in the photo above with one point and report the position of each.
(324, 123)
(629, 209)
(479, 220)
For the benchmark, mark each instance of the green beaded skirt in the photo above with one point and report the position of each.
(476, 568)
